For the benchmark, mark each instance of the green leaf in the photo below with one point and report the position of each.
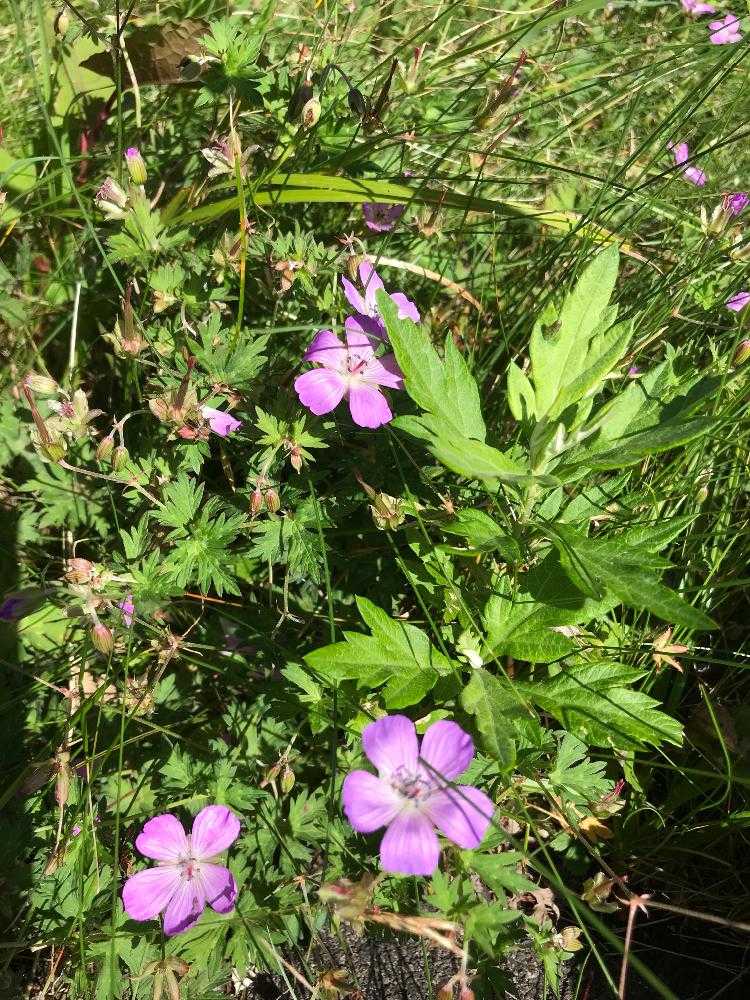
(398, 655)
(632, 449)
(498, 872)
(182, 498)
(598, 704)
(494, 704)
(483, 533)
(521, 398)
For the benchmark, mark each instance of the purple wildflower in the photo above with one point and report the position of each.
(681, 154)
(366, 305)
(128, 610)
(696, 7)
(738, 301)
(186, 876)
(725, 31)
(351, 370)
(412, 793)
(12, 607)
(380, 217)
(221, 423)
(734, 204)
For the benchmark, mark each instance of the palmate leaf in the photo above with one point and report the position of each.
(396, 654)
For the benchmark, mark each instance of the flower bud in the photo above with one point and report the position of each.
(79, 571)
(287, 780)
(136, 165)
(311, 112)
(120, 458)
(466, 994)
(40, 383)
(62, 782)
(295, 457)
(102, 639)
(61, 23)
(256, 501)
(111, 199)
(272, 501)
(54, 450)
(742, 353)
(105, 448)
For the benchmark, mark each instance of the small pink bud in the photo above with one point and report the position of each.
(105, 448)
(742, 353)
(256, 501)
(272, 501)
(102, 639)
(295, 457)
(136, 165)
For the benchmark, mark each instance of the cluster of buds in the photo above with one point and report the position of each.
(388, 512)
(282, 769)
(165, 974)
(730, 206)
(179, 408)
(117, 455)
(225, 155)
(264, 496)
(69, 420)
(111, 199)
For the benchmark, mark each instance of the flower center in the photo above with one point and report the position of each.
(415, 787)
(356, 364)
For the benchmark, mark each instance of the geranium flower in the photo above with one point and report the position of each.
(735, 204)
(681, 154)
(412, 794)
(219, 421)
(380, 217)
(697, 7)
(128, 610)
(725, 31)
(186, 876)
(351, 370)
(366, 305)
(738, 301)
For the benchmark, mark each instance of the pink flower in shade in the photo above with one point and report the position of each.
(186, 875)
(221, 423)
(738, 301)
(681, 154)
(381, 218)
(128, 610)
(725, 31)
(735, 204)
(412, 793)
(367, 306)
(351, 370)
(697, 7)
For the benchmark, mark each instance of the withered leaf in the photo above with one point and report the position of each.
(159, 53)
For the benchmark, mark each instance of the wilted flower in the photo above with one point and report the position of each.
(222, 156)
(111, 199)
(697, 7)
(738, 301)
(128, 610)
(381, 218)
(79, 571)
(681, 154)
(136, 165)
(725, 31)
(351, 370)
(412, 793)
(311, 112)
(186, 876)
(366, 305)
(221, 423)
(734, 204)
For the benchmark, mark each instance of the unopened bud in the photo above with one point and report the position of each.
(62, 782)
(256, 501)
(79, 571)
(40, 383)
(136, 165)
(352, 265)
(742, 353)
(466, 994)
(120, 458)
(295, 457)
(105, 448)
(357, 103)
(170, 981)
(102, 639)
(311, 112)
(287, 780)
(272, 501)
(62, 23)
(54, 450)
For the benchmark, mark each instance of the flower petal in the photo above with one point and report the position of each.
(447, 749)
(462, 814)
(390, 743)
(358, 343)
(147, 893)
(410, 845)
(220, 422)
(695, 175)
(219, 887)
(185, 907)
(680, 151)
(327, 350)
(372, 326)
(406, 308)
(353, 296)
(368, 406)
(384, 371)
(162, 838)
(368, 801)
(738, 301)
(215, 828)
(320, 390)
(372, 283)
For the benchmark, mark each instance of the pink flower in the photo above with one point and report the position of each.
(367, 306)
(738, 301)
(412, 793)
(734, 204)
(186, 876)
(348, 370)
(381, 218)
(725, 31)
(220, 422)
(681, 154)
(697, 7)
(128, 610)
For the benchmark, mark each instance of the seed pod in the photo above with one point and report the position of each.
(742, 353)
(357, 103)
(311, 112)
(120, 458)
(273, 503)
(102, 638)
(105, 448)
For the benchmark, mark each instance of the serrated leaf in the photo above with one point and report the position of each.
(498, 872)
(633, 448)
(494, 705)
